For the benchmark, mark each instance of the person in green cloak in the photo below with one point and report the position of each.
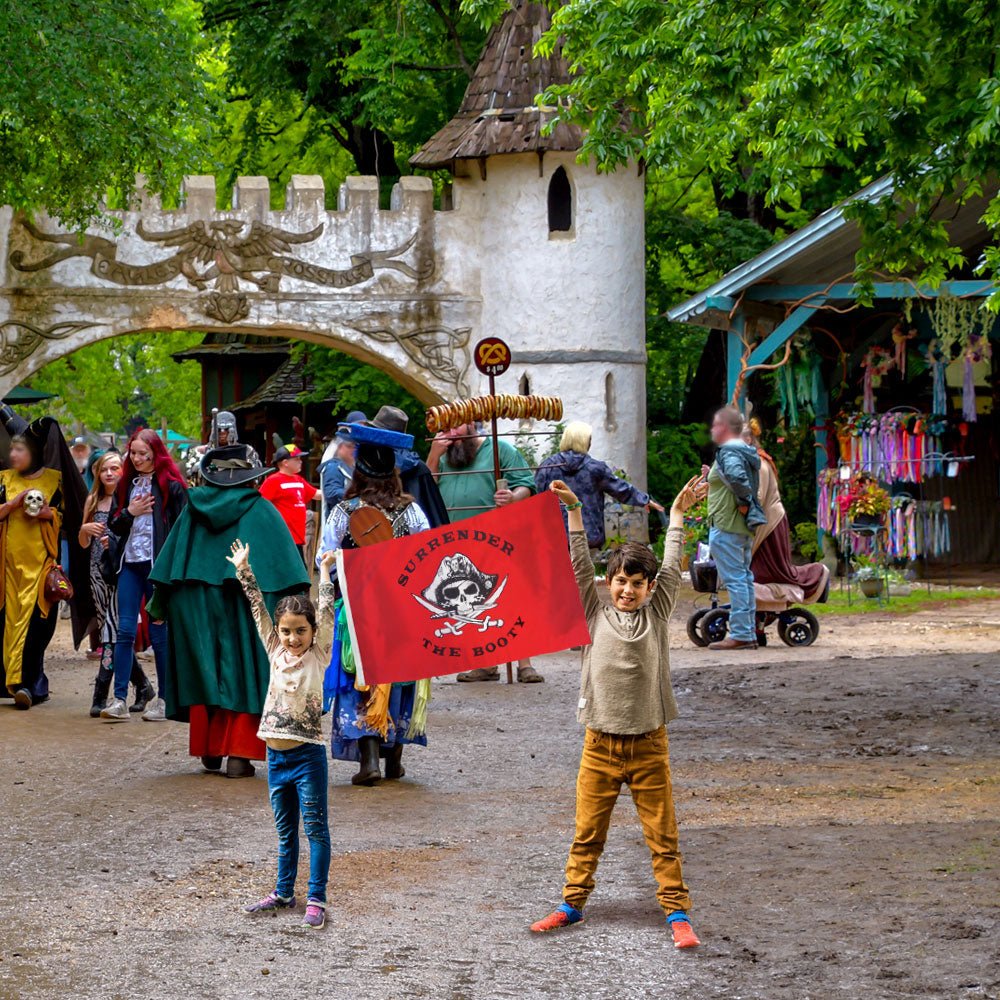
(218, 671)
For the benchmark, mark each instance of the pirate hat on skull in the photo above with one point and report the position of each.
(449, 586)
(230, 466)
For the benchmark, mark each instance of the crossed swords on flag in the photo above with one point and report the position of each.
(458, 622)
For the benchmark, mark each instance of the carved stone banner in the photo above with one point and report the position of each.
(213, 253)
(20, 339)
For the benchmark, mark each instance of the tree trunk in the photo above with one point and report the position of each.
(743, 205)
(373, 151)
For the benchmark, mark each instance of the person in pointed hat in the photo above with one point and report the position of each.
(41, 493)
(217, 670)
(373, 722)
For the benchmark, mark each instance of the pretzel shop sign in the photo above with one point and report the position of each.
(488, 590)
(492, 356)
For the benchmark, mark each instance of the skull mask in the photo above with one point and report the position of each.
(462, 597)
(34, 501)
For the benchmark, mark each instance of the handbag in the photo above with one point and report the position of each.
(57, 586)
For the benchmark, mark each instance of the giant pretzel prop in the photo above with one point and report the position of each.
(468, 411)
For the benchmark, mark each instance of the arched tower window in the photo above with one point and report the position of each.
(524, 386)
(560, 202)
(610, 403)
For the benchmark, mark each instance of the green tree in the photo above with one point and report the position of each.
(90, 94)
(357, 386)
(377, 78)
(787, 104)
(111, 384)
(689, 244)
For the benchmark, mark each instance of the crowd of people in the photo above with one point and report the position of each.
(147, 556)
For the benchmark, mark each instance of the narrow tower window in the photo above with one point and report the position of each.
(524, 386)
(560, 202)
(610, 403)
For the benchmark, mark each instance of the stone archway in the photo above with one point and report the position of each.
(374, 284)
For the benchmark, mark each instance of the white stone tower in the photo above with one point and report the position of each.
(557, 248)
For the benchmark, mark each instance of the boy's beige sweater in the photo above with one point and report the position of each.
(625, 686)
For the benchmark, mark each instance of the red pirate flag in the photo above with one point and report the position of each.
(487, 590)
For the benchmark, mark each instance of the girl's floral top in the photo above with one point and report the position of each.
(293, 708)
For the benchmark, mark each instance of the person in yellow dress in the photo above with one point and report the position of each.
(30, 519)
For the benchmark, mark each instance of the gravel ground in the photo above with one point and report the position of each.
(839, 810)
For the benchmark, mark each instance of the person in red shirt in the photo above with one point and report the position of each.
(291, 494)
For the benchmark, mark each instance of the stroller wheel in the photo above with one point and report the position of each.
(798, 627)
(694, 627)
(715, 625)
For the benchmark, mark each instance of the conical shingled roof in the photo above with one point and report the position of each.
(498, 113)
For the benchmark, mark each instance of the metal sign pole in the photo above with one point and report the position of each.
(492, 357)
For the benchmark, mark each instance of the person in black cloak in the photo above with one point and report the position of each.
(30, 531)
(217, 668)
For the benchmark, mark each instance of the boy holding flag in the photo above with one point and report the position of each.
(626, 700)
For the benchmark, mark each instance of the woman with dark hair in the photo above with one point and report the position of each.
(373, 721)
(150, 496)
(31, 513)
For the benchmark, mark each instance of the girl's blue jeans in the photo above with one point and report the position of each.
(297, 780)
(731, 552)
(133, 585)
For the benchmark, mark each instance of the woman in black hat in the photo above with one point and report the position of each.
(31, 513)
(378, 721)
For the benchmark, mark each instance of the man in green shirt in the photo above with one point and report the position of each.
(473, 490)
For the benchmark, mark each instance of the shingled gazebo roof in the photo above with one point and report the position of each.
(498, 113)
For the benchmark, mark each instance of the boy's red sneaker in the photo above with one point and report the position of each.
(563, 916)
(684, 935)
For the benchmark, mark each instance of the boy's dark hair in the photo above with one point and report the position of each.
(632, 558)
(296, 604)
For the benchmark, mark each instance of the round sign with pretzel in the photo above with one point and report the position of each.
(492, 356)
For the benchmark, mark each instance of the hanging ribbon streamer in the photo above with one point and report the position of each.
(793, 404)
(899, 339)
(977, 349)
(877, 363)
(939, 388)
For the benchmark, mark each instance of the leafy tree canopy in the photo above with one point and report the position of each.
(378, 78)
(794, 103)
(116, 383)
(90, 94)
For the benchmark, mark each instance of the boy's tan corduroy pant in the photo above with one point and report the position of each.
(642, 762)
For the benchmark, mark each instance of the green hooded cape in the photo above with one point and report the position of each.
(215, 655)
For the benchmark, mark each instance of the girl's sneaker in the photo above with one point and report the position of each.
(315, 914)
(271, 903)
(156, 711)
(562, 916)
(116, 711)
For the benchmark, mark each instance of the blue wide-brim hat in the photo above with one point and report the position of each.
(366, 434)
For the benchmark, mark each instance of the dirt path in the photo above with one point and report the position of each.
(839, 810)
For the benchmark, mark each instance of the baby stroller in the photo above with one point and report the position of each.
(796, 625)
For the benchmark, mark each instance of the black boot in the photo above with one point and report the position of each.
(102, 685)
(144, 691)
(394, 769)
(369, 773)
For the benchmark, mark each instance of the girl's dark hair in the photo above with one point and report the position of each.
(296, 604)
(386, 494)
(632, 558)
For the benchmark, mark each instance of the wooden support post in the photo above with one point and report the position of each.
(734, 354)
